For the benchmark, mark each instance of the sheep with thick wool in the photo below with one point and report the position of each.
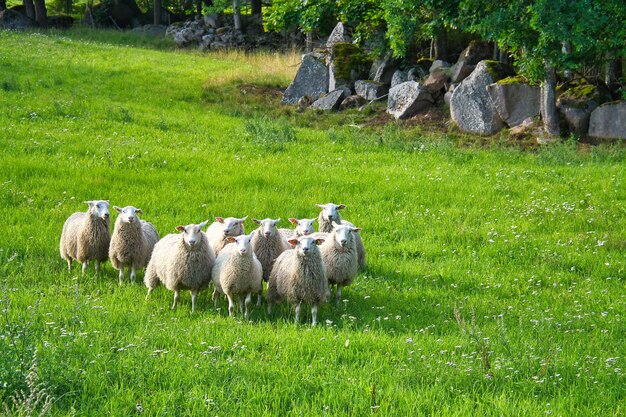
(268, 244)
(339, 255)
(304, 227)
(329, 216)
(219, 231)
(298, 276)
(237, 273)
(132, 241)
(86, 236)
(181, 261)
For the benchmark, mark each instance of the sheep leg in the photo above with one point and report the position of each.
(246, 315)
(149, 291)
(269, 308)
(214, 297)
(298, 312)
(85, 266)
(132, 274)
(338, 294)
(121, 275)
(176, 296)
(97, 267)
(240, 302)
(69, 265)
(231, 306)
(314, 314)
(194, 297)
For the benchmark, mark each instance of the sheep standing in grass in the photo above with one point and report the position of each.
(181, 262)
(86, 236)
(328, 216)
(304, 227)
(219, 231)
(132, 242)
(298, 276)
(237, 273)
(268, 244)
(340, 257)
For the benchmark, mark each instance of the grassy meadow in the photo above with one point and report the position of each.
(496, 279)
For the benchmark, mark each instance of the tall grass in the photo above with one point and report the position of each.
(495, 279)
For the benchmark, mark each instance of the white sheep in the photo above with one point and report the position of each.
(237, 273)
(340, 257)
(219, 231)
(181, 262)
(304, 227)
(86, 236)
(132, 242)
(268, 243)
(328, 216)
(298, 276)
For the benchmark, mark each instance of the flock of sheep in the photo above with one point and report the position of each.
(299, 264)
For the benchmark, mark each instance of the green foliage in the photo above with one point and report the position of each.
(307, 15)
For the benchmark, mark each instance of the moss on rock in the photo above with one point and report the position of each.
(497, 70)
(348, 58)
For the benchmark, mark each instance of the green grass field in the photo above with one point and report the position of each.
(496, 276)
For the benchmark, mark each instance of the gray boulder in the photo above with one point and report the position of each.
(609, 121)
(330, 101)
(352, 102)
(475, 52)
(460, 71)
(370, 90)
(382, 70)
(514, 101)
(399, 77)
(471, 107)
(310, 80)
(577, 101)
(337, 35)
(407, 99)
(439, 65)
(10, 19)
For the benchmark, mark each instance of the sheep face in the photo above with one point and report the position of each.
(330, 211)
(344, 234)
(192, 233)
(304, 227)
(267, 226)
(305, 245)
(99, 208)
(232, 225)
(242, 242)
(128, 214)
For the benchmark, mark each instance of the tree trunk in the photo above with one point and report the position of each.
(548, 102)
(157, 12)
(431, 53)
(3, 5)
(237, 15)
(612, 70)
(309, 41)
(496, 51)
(441, 44)
(41, 14)
(567, 50)
(29, 7)
(68, 6)
(256, 6)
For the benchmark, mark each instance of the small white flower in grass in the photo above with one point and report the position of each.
(329, 322)
(139, 407)
(347, 343)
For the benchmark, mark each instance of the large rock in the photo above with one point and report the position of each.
(352, 102)
(460, 71)
(475, 52)
(330, 101)
(399, 77)
(515, 101)
(348, 63)
(471, 107)
(576, 102)
(10, 19)
(436, 81)
(311, 80)
(407, 99)
(338, 35)
(370, 90)
(382, 70)
(609, 121)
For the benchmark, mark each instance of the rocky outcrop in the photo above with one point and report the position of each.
(310, 80)
(407, 99)
(330, 101)
(609, 121)
(12, 20)
(382, 70)
(370, 90)
(576, 102)
(514, 100)
(471, 107)
(347, 64)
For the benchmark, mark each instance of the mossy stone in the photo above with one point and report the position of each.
(517, 79)
(349, 58)
(497, 70)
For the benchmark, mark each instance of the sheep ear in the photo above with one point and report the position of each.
(334, 225)
(293, 242)
(356, 229)
(319, 241)
(257, 221)
(313, 220)
(293, 220)
(180, 228)
(116, 208)
(204, 223)
(276, 221)
(320, 205)
(243, 219)
(231, 239)
(219, 219)
(139, 211)
(341, 206)
(252, 234)
(89, 203)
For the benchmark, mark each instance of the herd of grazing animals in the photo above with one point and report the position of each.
(299, 265)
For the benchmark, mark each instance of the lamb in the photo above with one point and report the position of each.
(132, 242)
(219, 231)
(181, 262)
(328, 216)
(237, 273)
(86, 236)
(298, 275)
(304, 227)
(340, 256)
(268, 243)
